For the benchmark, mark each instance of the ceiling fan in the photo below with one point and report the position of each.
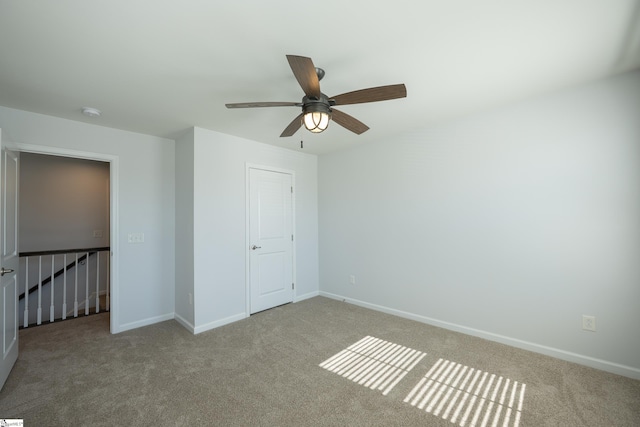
(317, 108)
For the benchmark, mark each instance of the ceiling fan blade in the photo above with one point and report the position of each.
(305, 72)
(348, 122)
(293, 126)
(262, 104)
(372, 94)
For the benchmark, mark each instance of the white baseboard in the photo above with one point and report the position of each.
(145, 322)
(184, 322)
(231, 319)
(218, 323)
(580, 359)
(299, 298)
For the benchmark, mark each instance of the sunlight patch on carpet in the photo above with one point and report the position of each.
(374, 363)
(468, 396)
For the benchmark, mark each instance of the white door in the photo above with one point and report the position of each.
(8, 262)
(270, 239)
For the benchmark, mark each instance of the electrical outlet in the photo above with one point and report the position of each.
(97, 233)
(588, 323)
(352, 279)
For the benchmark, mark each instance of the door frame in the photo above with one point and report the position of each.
(114, 314)
(292, 173)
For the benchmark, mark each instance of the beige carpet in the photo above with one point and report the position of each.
(377, 370)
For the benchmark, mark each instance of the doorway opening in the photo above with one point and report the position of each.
(64, 238)
(108, 258)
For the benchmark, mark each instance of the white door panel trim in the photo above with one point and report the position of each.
(9, 260)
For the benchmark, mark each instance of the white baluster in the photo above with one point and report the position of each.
(39, 319)
(26, 294)
(86, 283)
(108, 271)
(75, 302)
(64, 289)
(51, 308)
(97, 282)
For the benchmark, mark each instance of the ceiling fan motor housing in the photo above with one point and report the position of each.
(313, 105)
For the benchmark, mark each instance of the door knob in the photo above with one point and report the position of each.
(5, 270)
(254, 247)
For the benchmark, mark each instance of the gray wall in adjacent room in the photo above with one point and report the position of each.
(63, 201)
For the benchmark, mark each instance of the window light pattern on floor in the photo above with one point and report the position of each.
(374, 363)
(467, 396)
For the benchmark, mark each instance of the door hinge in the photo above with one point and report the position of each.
(291, 190)
(293, 286)
(292, 237)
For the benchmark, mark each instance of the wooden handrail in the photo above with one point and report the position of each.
(64, 251)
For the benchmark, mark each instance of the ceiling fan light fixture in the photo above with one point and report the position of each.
(316, 121)
(316, 117)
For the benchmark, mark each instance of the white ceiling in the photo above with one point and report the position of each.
(160, 67)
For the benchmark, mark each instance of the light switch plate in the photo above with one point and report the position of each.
(135, 238)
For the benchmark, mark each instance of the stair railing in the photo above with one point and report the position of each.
(78, 257)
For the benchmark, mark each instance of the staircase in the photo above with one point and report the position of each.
(63, 284)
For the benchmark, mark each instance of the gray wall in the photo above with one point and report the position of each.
(510, 224)
(219, 209)
(62, 202)
(184, 309)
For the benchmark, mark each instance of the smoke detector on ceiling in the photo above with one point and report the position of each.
(91, 112)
